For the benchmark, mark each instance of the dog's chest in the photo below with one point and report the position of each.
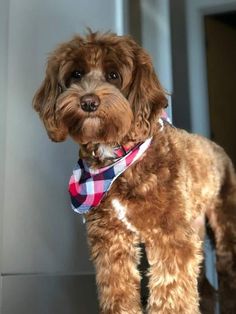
(120, 211)
(132, 199)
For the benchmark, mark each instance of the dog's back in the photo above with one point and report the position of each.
(214, 177)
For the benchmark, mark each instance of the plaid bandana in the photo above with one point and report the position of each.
(88, 186)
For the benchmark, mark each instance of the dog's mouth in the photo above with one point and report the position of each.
(97, 130)
(88, 120)
(89, 130)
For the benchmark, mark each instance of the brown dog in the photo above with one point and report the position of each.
(102, 91)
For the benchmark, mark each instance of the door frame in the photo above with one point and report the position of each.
(197, 70)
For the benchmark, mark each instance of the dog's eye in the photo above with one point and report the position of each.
(78, 74)
(112, 76)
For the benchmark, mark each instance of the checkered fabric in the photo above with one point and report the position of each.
(88, 186)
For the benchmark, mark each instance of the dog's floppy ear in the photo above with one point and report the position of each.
(146, 96)
(44, 102)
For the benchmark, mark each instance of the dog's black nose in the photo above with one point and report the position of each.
(90, 102)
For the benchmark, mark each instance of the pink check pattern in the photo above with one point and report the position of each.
(88, 186)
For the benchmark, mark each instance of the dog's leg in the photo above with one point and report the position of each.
(174, 267)
(222, 219)
(116, 254)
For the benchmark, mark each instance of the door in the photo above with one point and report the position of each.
(221, 70)
(220, 32)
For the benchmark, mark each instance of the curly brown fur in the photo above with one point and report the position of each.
(180, 177)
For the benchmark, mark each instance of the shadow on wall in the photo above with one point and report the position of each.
(135, 20)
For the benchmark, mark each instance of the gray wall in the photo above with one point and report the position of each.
(43, 243)
(3, 84)
(44, 260)
(156, 38)
(155, 34)
(149, 23)
(180, 95)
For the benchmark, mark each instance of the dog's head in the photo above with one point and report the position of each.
(99, 89)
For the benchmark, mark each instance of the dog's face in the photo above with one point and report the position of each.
(99, 89)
